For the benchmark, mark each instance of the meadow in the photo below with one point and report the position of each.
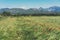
(30, 28)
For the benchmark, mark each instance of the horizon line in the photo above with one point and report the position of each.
(28, 8)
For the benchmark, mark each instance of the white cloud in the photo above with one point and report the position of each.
(24, 7)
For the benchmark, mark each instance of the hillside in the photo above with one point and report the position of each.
(54, 10)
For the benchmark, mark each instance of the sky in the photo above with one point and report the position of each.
(28, 3)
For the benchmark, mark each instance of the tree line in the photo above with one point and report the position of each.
(30, 14)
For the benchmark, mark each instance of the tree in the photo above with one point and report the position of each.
(6, 13)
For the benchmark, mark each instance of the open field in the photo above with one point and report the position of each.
(30, 28)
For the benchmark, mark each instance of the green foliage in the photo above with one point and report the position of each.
(30, 28)
(6, 13)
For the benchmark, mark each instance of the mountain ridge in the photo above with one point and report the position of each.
(53, 9)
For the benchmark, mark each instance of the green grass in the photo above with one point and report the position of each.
(30, 28)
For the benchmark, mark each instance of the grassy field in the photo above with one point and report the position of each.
(30, 28)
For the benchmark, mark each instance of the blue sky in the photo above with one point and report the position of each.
(28, 3)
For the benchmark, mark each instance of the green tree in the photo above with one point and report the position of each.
(6, 13)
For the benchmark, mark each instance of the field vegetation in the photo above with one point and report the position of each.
(30, 28)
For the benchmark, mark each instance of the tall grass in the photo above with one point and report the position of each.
(30, 28)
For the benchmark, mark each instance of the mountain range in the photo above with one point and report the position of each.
(53, 9)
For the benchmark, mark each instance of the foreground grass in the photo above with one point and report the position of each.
(30, 28)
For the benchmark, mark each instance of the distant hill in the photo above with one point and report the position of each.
(50, 10)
